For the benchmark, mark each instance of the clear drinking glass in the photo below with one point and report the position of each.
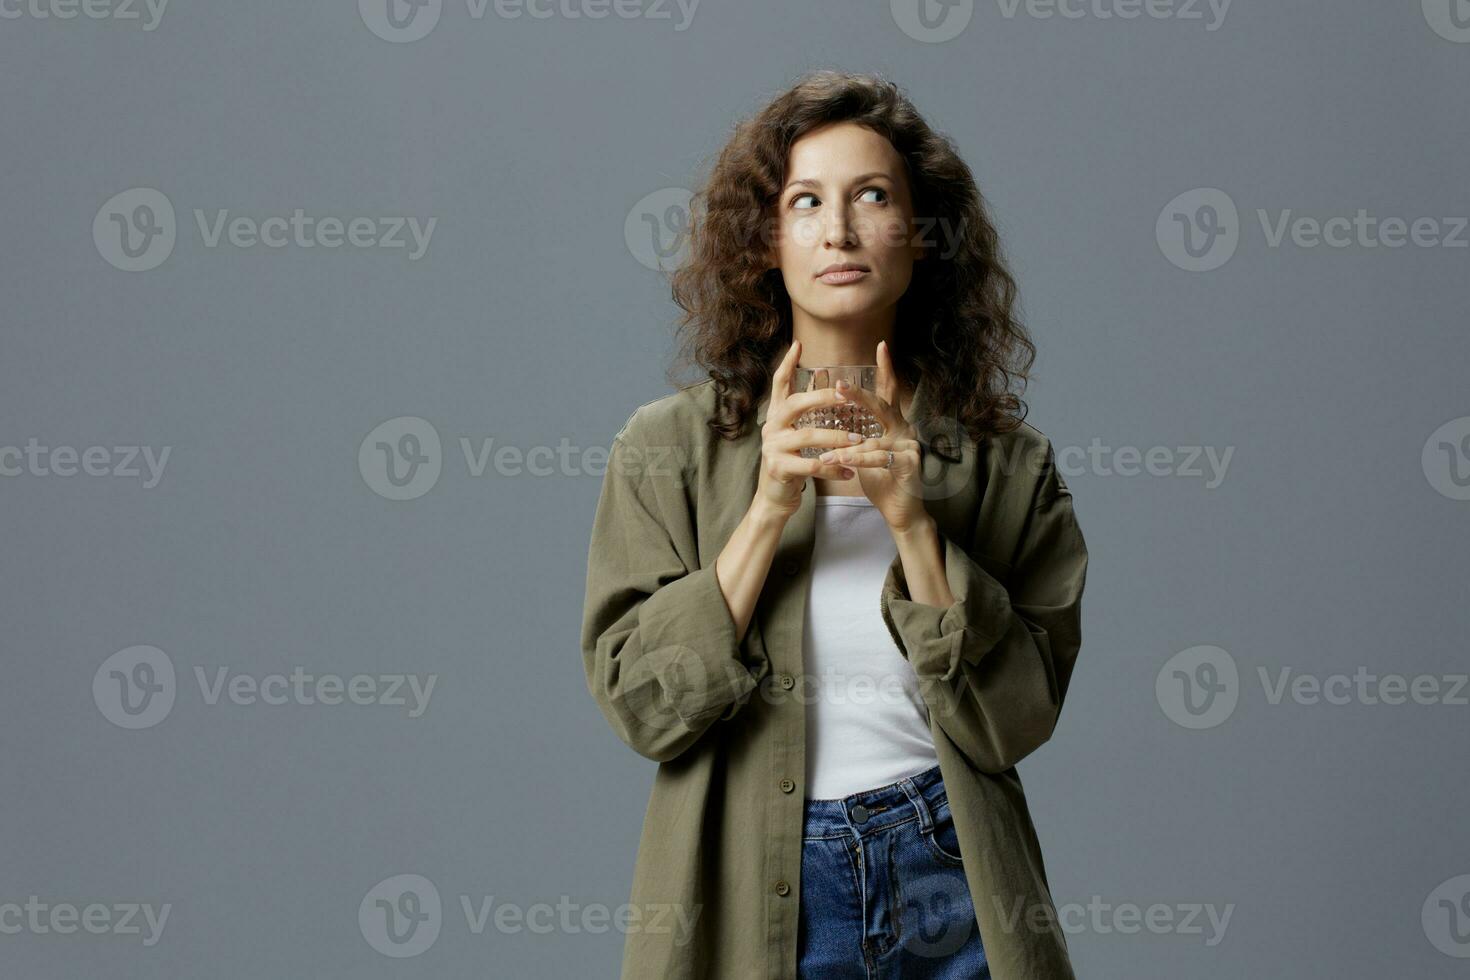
(851, 417)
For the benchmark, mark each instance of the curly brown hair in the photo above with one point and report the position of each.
(955, 323)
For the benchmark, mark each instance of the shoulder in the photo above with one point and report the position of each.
(672, 419)
(1025, 459)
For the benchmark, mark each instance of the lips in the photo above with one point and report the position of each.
(843, 267)
(842, 272)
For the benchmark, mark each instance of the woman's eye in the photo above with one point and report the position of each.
(796, 201)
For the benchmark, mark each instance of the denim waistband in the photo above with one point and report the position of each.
(876, 809)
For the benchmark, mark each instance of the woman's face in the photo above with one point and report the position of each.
(846, 202)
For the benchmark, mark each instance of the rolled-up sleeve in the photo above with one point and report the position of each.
(996, 663)
(658, 641)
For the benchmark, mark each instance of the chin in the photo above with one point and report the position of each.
(848, 308)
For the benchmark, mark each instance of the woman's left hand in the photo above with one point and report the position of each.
(896, 490)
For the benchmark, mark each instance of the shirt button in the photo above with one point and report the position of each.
(787, 682)
(787, 786)
(791, 567)
(782, 888)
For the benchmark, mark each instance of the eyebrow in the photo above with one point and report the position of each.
(806, 182)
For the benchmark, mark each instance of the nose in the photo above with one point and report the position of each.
(838, 230)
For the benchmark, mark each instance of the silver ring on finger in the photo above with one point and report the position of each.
(889, 464)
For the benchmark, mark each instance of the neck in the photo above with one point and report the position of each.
(848, 341)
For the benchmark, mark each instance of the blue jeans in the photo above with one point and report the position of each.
(883, 892)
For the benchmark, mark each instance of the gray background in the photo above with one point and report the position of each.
(529, 320)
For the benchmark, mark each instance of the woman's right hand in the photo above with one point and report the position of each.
(783, 470)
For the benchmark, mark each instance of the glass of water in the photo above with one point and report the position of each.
(849, 416)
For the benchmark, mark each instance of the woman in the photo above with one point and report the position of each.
(798, 827)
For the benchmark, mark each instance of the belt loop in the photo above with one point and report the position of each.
(921, 805)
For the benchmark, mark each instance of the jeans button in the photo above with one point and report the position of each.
(860, 814)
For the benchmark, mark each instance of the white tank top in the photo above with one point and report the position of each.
(866, 721)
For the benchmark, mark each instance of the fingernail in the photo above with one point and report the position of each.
(827, 456)
(854, 437)
(847, 474)
(842, 383)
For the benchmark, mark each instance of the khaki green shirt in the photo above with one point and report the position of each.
(722, 836)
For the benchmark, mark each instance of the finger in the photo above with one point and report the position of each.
(886, 358)
(797, 402)
(885, 443)
(793, 439)
(880, 408)
(873, 457)
(791, 467)
(867, 445)
(870, 459)
(781, 378)
(887, 382)
(829, 471)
